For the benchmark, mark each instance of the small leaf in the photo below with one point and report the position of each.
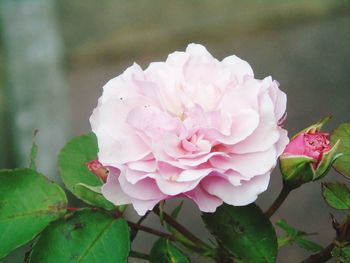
(342, 254)
(244, 231)
(295, 236)
(72, 167)
(337, 195)
(175, 213)
(33, 152)
(88, 236)
(308, 245)
(28, 203)
(164, 251)
(292, 232)
(327, 161)
(342, 133)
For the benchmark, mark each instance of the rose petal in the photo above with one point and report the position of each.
(236, 195)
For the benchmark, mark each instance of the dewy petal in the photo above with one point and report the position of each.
(205, 201)
(111, 189)
(236, 195)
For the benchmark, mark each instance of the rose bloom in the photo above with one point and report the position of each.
(312, 145)
(192, 126)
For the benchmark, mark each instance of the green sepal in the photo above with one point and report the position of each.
(327, 161)
(296, 170)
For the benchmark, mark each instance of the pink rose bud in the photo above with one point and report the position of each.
(312, 145)
(308, 156)
(98, 169)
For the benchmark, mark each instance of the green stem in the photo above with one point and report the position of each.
(135, 254)
(279, 201)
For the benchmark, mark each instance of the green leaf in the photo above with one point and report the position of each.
(327, 161)
(175, 213)
(244, 231)
(342, 133)
(28, 203)
(295, 236)
(87, 236)
(308, 245)
(337, 195)
(342, 254)
(164, 251)
(72, 159)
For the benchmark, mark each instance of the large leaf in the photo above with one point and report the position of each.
(164, 251)
(244, 232)
(342, 133)
(294, 236)
(72, 166)
(86, 236)
(337, 195)
(28, 203)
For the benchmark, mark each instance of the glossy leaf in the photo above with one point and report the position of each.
(164, 251)
(337, 195)
(243, 231)
(28, 203)
(342, 133)
(72, 166)
(87, 236)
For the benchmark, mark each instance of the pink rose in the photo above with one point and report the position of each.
(192, 126)
(312, 145)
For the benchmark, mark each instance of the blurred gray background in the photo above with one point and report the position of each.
(56, 55)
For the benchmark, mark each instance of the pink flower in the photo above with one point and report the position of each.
(192, 126)
(312, 145)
